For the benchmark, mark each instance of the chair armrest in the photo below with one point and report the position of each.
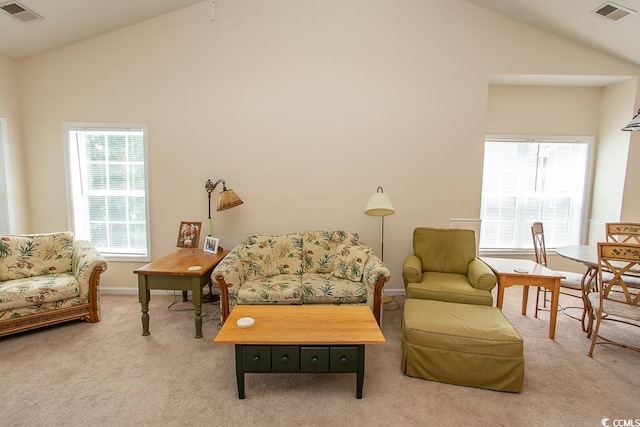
(374, 276)
(230, 275)
(481, 276)
(87, 264)
(412, 270)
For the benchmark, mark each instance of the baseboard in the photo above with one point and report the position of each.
(215, 291)
(134, 291)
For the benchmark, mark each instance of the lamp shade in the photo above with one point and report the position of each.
(379, 205)
(228, 199)
(634, 124)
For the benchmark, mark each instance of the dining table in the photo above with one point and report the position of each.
(587, 255)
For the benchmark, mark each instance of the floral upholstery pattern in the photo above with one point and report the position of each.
(287, 250)
(325, 288)
(280, 289)
(319, 248)
(349, 261)
(28, 256)
(258, 260)
(45, 272)
(307, 267)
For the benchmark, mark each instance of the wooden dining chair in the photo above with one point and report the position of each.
(614, 300)
(571, 281)
(623, 232)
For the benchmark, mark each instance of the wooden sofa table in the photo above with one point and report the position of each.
(177, 271)
(301, 338)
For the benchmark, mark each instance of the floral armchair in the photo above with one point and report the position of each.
(47, 279)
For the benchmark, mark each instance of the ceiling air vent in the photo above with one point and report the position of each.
(19, 11)
(613, 11)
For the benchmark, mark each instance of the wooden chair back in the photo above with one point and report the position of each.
(539, 248)
(623, 232)
(618, 259)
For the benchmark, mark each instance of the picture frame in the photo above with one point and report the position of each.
(211, 244)
(189, 234)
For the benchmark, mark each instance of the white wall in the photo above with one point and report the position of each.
(614, 159)
(10, 110)
(303, 107)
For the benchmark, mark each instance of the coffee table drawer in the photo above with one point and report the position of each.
(285, 358)
(256, 358)
(343, 359)
(314, 359)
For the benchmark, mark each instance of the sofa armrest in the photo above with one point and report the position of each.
(412, 269)
(230, 275)
(481, 276)
(374, 277)
(87, 264)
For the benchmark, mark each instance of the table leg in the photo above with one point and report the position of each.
(360, 372)
(239, 371)
(586, 286)
(525, 299)
(555, 296)
(500, 293)
(184, 296)
(197, 305)
(143, 296)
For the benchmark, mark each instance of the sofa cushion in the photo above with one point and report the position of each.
(349, 261)
(287, 250)
(258, 259)
(35, 255)
(319, 248)
(325, 288)
(39, 290)
(278, 289)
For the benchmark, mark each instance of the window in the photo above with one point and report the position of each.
(107, 187)
(538, 179)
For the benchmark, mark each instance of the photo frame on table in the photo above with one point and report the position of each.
(189, 234)
(211, 244)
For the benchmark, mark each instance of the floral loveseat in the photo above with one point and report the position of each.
(47, 279)
(315, 267)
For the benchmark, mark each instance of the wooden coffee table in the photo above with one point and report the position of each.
(301, 338)
(177, 271)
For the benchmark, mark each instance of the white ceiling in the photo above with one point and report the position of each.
(69, 21)
(575, 20)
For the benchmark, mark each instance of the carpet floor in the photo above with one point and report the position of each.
(107, 374)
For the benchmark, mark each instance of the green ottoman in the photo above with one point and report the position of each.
(464, 344)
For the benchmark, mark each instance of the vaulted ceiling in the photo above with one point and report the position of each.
(69, 21)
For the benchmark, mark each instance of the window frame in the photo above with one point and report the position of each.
(67, 128)
(587, 185)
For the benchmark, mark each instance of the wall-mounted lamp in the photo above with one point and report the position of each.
(634, 124)
(379, 205)
(227, 198)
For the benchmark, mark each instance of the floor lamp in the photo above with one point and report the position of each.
(227, 199)
(380, 205)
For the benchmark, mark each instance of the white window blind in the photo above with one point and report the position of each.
(107, 180)
(538, 179)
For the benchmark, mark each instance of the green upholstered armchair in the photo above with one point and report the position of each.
(444, 267)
